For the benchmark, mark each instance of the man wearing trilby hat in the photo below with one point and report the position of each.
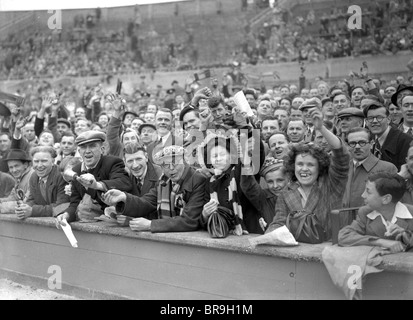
(174, 205)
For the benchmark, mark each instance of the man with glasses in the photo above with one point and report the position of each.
(389, 144)
(362, 164)
(174, 205)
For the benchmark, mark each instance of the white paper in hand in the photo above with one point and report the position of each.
(279, 237)
(242, 103)
(69, 234)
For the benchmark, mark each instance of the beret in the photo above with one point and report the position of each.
(170, 151)
(350, 112)
(90, 136)
(143, 125)
(65, 121)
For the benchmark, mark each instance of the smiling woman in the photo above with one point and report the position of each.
(305, 205)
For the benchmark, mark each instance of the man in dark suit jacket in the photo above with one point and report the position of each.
(143, 174)
(163, 123)
(174, 205)
(390, 144)
(46, 186)
(96, 175)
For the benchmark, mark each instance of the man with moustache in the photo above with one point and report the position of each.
(362, 164)
(174, 205)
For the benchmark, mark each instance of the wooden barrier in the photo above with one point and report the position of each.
(114, 262)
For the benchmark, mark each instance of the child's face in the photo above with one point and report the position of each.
(371, 197)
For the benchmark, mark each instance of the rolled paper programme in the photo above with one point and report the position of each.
(67, 229)
(242, 103)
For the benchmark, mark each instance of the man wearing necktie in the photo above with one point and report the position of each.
(46, 185)
(362, 164)
(163, 123)
(144, 175)
(174, 205)
(390, 144)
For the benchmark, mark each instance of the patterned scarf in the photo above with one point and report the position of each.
(233, 199)
(170, 204)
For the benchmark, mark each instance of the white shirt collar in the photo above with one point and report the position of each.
(400, 211)
(164, 138)
(406, 128)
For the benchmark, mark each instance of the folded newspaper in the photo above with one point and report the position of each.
(278, 237)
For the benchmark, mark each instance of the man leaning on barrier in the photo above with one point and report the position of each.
(174, 205)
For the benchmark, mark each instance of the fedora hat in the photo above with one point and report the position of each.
(400, 89)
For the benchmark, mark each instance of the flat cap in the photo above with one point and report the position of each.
(350, 112)
(170, 151)
(311, 103)
(65, 121)
(90, 136)
(146, 125)
(170, 91)
(145, 94)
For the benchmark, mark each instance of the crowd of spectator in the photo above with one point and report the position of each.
(386, 29)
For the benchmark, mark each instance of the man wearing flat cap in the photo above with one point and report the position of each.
(306, 108)
(174, 205)
(349, 118)
(97, 174)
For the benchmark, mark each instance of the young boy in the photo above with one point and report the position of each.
(384, 221)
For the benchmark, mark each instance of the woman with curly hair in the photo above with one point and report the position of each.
(318, 184)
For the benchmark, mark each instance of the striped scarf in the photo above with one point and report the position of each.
(168, 204)
(233, 199)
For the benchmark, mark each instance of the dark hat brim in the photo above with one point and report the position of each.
(143, 125)
(4, 111)
(395, 95)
